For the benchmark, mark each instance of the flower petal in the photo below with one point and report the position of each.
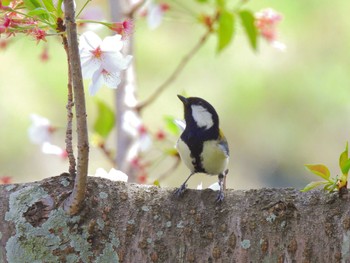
(89, 40)
(116, 62)
(96, 82)
(89, 67)
(49, 148)
(39, 131)
(155, 16)
(112, 43)
(111, 80)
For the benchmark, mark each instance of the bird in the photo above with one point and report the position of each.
(202, 146)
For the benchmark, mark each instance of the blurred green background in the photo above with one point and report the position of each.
(279, 110)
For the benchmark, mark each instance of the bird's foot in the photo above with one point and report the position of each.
(220, 197)
(179, 192)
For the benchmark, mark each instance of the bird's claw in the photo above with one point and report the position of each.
(220, 197)
(179, 192)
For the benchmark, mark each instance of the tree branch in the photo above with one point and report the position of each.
(75, 200)
(126, 92)
(61, 28)
(70, 104)
(151, 225)
(180, 67)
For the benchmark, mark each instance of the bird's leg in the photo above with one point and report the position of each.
(222, 184)
(178, 192)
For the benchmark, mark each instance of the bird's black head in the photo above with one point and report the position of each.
(199, 114)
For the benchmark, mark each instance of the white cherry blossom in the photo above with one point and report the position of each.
(40, 129)
(102, 60)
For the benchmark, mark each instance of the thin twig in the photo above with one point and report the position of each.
(107, 153)
(180, 67)
(135, 8)
(70, 104)
(73, 204)
(171, 169)
(69, 133)
(81, 10)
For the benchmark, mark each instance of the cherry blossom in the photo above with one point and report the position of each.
(5, 179)
(113, 174)
(266, 22)
(124, 28)
(154, 13)
(102, 60)
(40, 130)
(52, 149)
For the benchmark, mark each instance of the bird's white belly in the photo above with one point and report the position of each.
(185, 154)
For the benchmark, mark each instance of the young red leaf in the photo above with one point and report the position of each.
(319, 169)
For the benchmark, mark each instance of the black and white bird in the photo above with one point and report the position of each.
(202, 146)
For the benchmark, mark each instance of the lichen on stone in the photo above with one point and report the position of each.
(245, 244)
(65, 182)
(103, 195)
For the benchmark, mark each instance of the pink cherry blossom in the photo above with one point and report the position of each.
(266, 22)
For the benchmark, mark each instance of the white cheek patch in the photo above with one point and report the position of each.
(202, 117)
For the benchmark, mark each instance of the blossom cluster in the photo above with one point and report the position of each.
(266, 22)
(12, 21)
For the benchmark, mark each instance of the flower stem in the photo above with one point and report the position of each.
(81, 10)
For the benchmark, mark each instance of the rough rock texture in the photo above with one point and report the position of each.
(134, 223)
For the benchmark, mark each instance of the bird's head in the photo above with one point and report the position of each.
(199, 113)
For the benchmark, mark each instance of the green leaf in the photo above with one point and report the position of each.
(105, 119)
(59, 8)
(330, 186)
(6, 2)
(220, 3)
(312, 185)
(39, 12)
(31, 4)
(171, 126)
(225, 29)
(345, 167)
(202, 1)
(344, 162)
(49, 5)
(156, 183)
(248, 22)
(319, 169)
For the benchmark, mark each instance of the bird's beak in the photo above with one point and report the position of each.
(183, 99)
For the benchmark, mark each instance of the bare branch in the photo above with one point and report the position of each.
(69, 136)
(74, 202)
(180, 67)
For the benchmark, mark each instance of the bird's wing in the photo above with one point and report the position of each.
(223, 144)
